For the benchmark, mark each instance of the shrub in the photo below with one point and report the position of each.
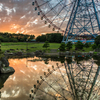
(62, 47)
(46, 44)
(98, 46)
(87, 45)
(97, 40)
(69, 45)
(79, 45)
(94, 46)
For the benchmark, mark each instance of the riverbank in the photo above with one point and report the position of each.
(33, 47)
(41, 53)
(4, 66)
(25, 49)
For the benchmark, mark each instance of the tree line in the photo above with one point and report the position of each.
(12, 37)
(50, 37)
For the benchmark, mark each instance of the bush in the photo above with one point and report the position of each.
(94, 46)
(69, 45)
(98, 46)
(87, 45)
(97, 40)
(62, 47)
(79, 45)
(13, 40)
(46, 44)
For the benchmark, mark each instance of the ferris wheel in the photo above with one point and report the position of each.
(71, 17)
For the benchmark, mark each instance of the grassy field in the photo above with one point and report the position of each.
(31, 46)
(84, 49)
(34, 46)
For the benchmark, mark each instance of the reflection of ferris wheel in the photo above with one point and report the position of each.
(71, 17)
(69, 82)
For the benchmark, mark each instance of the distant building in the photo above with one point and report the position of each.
(82, 37)
(33, 40)
(83, 41)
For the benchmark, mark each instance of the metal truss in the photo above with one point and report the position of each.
(84, 19)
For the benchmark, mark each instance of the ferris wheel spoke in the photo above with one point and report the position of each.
(98, 4)
(53, 88)
(58, 14)
(61, 11)
(62, 89)
(65, 17)
(44, 3)
(50, 73)
(58, 67)
(57, 83)
(63, 78)
(46, 93)
(54, 7)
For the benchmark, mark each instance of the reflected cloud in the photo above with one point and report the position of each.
(19, 84)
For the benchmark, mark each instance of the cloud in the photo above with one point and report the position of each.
(18, 16)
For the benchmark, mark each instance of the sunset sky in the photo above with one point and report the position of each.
(19, 16)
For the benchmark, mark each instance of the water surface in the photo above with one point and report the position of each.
(18, 86)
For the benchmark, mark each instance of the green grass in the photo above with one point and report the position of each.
(95, 53)
(88, 49)
(84, 48)
(37, 46)
(23, 45)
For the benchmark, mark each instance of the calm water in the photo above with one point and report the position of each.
(28, 70)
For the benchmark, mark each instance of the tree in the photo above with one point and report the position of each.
(13, 40)
(0, 46)
(69, 45)
(1, 39)
(6, 39)
(62, 47)
(79, 45)
(54, 37)
(98, 46)
(41, 38)
(97, 40)
(87, 45)
(51, 37)
(12, 37)
(94, 46)
(46, 44)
